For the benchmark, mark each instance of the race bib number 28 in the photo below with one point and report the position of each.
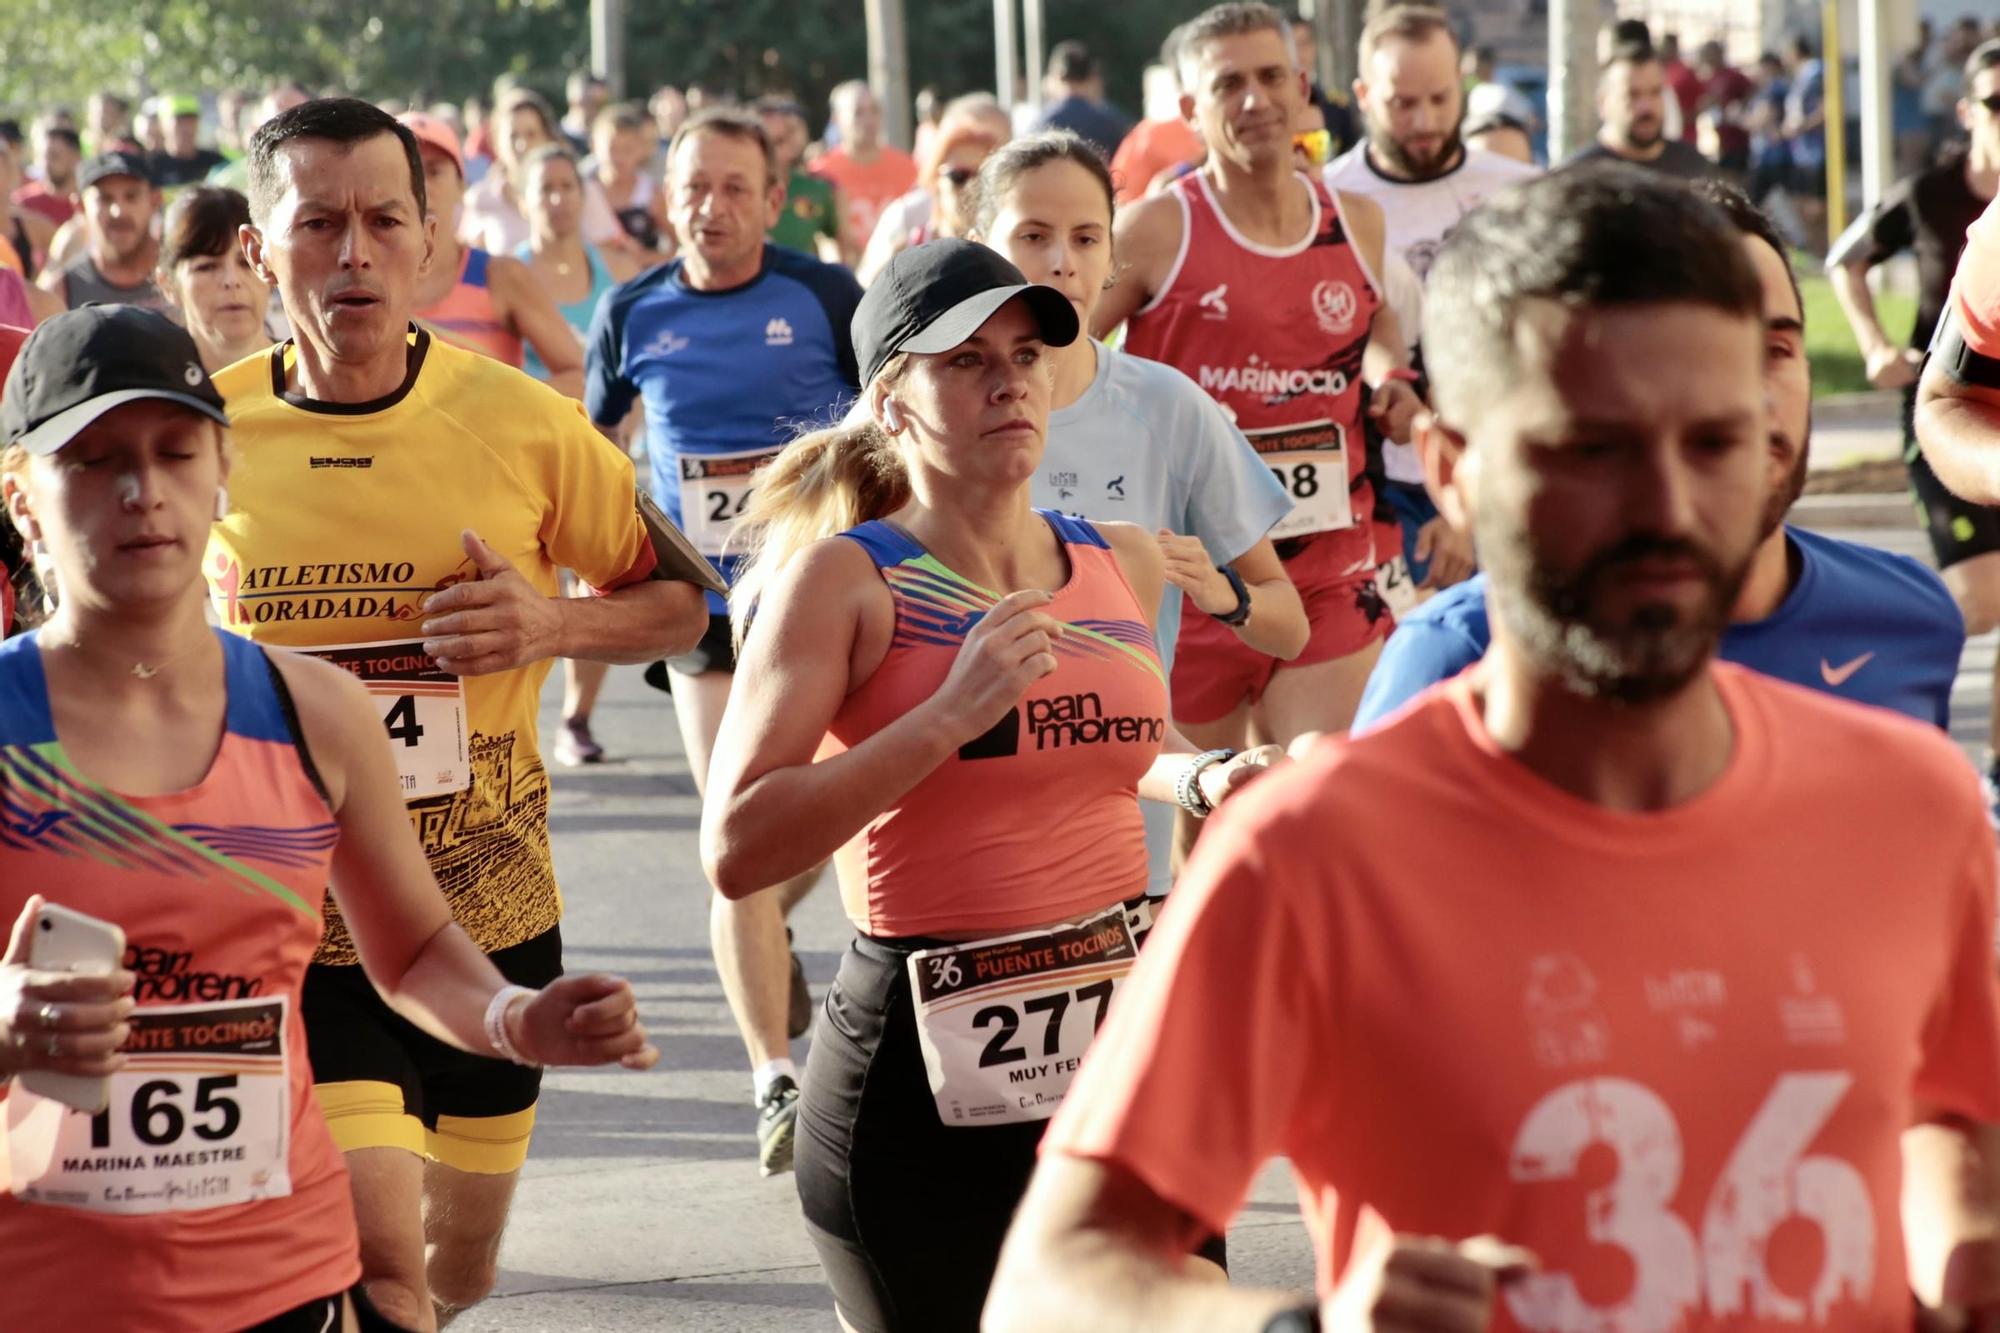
(423, 712)
(1004, 1023)
(199, 1117)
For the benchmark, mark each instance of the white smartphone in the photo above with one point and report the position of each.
(65, 940)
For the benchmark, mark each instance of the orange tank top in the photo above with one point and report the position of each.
(1037, 820)
(208, 1194)
(466, 315)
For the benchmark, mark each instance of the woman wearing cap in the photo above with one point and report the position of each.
(206, 279)
(200, 793)
(958, 698)
(1133, 439)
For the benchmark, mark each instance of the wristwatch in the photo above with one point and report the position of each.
(1302, 1319)
(1241, 615)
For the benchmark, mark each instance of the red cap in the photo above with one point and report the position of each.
(430, 130)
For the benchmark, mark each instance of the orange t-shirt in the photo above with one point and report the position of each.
(866, 188)
(1655, 1049)
(1152, 147)
(1976, 288)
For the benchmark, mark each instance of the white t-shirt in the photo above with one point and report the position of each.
(1145, 445)
(1416, 216)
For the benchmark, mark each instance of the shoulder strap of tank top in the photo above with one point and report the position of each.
(885, 543)
(474, 274)
(1073, 531)
(290, 711)
(254, 712)
(24, 696)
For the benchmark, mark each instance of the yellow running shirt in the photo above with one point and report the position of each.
(345, 516)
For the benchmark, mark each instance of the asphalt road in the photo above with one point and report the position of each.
(641, 1207)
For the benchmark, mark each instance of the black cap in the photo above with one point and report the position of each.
(117, 162)
(80, 364)
(932, 297)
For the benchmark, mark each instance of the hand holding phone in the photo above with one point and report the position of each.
(64, 999)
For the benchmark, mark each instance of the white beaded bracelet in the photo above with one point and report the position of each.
(496, 1023)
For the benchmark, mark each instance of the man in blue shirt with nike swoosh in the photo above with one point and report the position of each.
(732, 348)
(1850, 620)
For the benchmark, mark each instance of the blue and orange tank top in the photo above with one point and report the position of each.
(467, 316)
(208, 1194)
(1037, 820)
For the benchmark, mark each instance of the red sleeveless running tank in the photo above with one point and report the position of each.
(1037, 820)
(1276, 336)
(466, 315)
(208, 1195)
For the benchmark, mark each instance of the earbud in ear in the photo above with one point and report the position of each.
(890, 416)
(221, 503)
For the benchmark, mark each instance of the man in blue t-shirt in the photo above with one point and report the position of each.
(732, 349)
(1851, 620)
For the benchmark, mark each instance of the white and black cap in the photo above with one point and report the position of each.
(932, 297)
(79, 365)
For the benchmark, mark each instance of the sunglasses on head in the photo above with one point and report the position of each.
(958, 176)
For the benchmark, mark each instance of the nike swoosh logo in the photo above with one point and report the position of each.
(1837, 676)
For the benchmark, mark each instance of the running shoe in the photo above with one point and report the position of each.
(801, 1014)
(777, 1126)
(575, 746)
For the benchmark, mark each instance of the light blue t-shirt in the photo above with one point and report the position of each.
(1860, 623)
(1145, 445)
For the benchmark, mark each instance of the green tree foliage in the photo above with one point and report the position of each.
(60, 51)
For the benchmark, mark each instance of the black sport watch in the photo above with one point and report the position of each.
(1302, 1319)
(1241, 615)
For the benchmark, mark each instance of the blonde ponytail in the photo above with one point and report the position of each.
(819, 485)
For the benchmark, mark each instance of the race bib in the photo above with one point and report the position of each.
(199, 1117)
(1395, 586)
(423, 712)
(1004, 1022)
(1310, 462)
(714, 490)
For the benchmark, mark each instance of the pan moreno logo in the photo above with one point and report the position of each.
(335, 590)
(1064, 722)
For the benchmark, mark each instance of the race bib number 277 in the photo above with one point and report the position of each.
(1004, 1023)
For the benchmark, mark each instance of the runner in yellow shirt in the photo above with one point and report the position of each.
(404, 505)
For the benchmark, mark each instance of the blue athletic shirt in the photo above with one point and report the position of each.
(727, 379)
(1860, 623)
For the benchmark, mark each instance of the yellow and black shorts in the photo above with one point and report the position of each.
(383, 1082)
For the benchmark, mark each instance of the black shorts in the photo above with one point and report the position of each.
(383, 1082)
(1958, 529)
(906, 1212)
(323, 1312)
(715, 652)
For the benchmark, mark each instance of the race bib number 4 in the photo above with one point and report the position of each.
(1004, 1022)
(715, 488)
(423, 712)
(1310, 462)
(199, 1117)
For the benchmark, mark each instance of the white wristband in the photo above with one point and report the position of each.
(496, 1023)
